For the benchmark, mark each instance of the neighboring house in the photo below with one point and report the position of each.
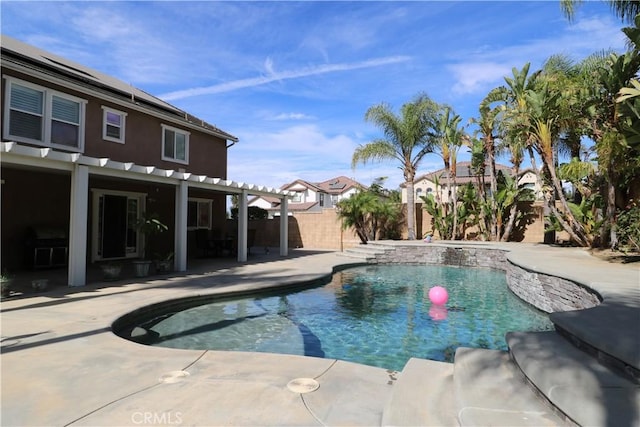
(426, 184)
(84, 155)
(308, 197)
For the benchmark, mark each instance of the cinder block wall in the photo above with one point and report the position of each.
(313, 230)
(322, 230)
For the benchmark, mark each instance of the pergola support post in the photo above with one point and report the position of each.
(243, 225)
(180, 249)
(78, 210)
(284, 227)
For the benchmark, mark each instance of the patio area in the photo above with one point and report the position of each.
(62, 365)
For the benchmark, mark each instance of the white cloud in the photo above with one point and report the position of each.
(138, 53)
(305, 152)
(268, 65)
(485, 68)
(282, 75)
(291, 116)
(475, 77)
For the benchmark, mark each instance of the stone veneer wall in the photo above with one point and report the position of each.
(549, 293)
(545, 292)
(444, 255)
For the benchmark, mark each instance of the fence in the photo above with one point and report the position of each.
(322, 230)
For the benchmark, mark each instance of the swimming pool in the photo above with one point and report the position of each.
(376, 315)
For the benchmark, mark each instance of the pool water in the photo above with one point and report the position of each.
(375, 315)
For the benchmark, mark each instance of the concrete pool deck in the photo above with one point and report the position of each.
(62, 365)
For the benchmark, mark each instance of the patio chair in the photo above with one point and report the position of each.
(205, 245)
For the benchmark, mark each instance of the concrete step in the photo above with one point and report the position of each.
(576, 383)
(381, 244)
(490, 390)
(357, 255)
(616, 346)
(422, 395)
(367, 249)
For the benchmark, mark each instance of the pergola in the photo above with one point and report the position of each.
(81, 166)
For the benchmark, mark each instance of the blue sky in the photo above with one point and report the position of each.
(293, 80)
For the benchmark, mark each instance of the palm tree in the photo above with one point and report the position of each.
(373, 212)
(617, 159)
(406, 139)
(535, 119)
(626, 10)
(354, 212)
(448, 141)
(488, 124)
(512, 109)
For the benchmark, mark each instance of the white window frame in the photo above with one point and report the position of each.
(123, 124)
(97, 193)
(206, 202)
(296, 197)
(47, 117)
(186, 144)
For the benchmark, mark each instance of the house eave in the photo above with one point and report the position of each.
(14, 153)
(110, 95)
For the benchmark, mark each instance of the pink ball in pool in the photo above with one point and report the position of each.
(438, 295)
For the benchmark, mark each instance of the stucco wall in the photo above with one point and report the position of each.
(143, 136)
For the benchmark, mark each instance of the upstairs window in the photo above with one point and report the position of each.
(65, 121)
(175, 145)
(42, 116)
(113, 125)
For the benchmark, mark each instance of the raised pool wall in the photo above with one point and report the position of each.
(545, 292)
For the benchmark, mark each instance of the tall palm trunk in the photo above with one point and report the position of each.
(454, 197)
(445, 206)
(609, 236)
(491, 154)
(409, 177)
(573, 226)
(411, 208)
(513, 211)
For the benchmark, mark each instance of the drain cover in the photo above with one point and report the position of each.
(173, 377)
(303, 385)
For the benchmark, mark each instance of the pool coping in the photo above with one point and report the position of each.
(62, 365)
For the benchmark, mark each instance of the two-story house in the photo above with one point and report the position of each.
(438, 182)
(308, 196)
(84, 156)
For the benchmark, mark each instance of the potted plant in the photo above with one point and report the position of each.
(164, 263)
(148, 224)
(111, 270)
(5, 282)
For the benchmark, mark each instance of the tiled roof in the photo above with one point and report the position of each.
(295, 207)
(272, 200)
(302, 182)
(339, 185)
(19, 53)
(464, 173)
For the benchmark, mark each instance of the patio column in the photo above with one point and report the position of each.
(180, 246)
(242, 226)
(78, 211)
(284, 227)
